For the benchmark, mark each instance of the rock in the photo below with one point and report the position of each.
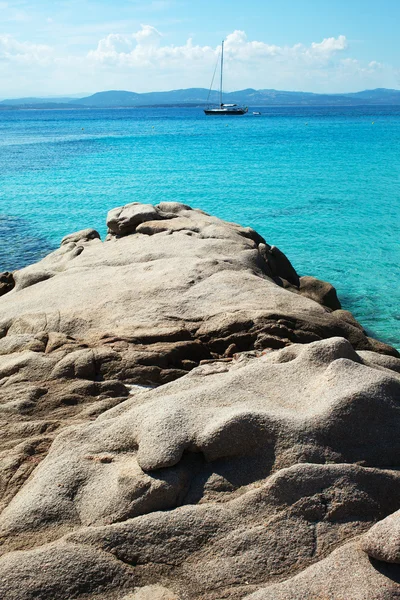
(218, 549)
(147, 308)
(71, 247)
(346, 316)
(382, 541)
(178, 425)
(274, 423)
(346, 573)
(376, 360)
(84, 572)
(213, 285)
(242, 459)
(6, 282)
(279, 265)
(320, 291)
(380, 347)
(85, 235)
(152, 592)
(125, 219)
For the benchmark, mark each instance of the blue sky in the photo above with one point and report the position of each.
(83, 46)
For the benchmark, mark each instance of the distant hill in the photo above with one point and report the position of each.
(248, 96)
(378, 96)
(121, 98)
(112, 98)
(198, 96)
(282, 98)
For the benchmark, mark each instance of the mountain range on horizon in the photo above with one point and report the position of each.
(198, 97)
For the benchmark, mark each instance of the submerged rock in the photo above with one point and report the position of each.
(270, 441)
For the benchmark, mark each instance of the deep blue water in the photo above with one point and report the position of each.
(323, 184)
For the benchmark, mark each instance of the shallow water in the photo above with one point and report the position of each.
(323, 184)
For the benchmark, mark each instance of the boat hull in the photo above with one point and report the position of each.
(225, 111)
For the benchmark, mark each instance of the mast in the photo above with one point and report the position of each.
(222, 68)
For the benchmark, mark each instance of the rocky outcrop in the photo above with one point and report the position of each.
(185, 417)
(125, 219)
(383, 540)
(85, 235)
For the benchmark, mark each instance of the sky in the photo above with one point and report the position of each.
(78, 47)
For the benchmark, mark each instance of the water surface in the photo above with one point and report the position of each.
(323, 184)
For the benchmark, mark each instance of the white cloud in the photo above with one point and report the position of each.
(23, 52)
(144, 48)
(117, 46)
(330, 45)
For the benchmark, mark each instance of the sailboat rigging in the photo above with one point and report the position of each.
(224, 109)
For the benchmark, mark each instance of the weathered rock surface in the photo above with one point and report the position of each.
(383, 540)
(85, 235)
(261, 465)
(125, 219)
(346, 573)
(292, 406)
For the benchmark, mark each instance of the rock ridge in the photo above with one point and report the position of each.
(185, 417)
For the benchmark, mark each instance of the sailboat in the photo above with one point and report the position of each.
(224, 109)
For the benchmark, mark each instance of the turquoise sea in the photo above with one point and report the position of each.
(323, 184)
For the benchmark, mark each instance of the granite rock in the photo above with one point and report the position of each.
(320, 291)
(346, 573)
(145, 308)
(85, 235)
(382, 541)
(183, 417)
(124, 219)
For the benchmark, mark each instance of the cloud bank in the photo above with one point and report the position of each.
(145, 61)
(145, 49)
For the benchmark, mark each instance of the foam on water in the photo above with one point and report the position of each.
(323, 184)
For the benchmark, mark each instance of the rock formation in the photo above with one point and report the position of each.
(184, 417)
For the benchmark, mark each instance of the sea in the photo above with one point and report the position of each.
(322, 184)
